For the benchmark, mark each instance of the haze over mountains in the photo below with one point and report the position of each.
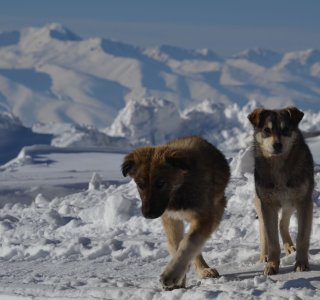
(50, 74)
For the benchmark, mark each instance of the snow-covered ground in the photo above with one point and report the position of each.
(88, 239)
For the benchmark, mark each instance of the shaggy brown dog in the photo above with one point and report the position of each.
(183, 180)
(284, 182)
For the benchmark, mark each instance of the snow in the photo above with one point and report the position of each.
(154, 121)
(150, 120)
(49, 165)
(70, 223)
(95, 244)
(71, 227)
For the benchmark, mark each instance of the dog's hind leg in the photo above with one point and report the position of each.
(262, 233)
(202, 268)
(304, 215)
(284, 230)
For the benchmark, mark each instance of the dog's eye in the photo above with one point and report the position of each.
(267, 130)
(285, 131)
(160, 184)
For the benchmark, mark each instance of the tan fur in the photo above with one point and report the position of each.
(284, 183)
(195, 175)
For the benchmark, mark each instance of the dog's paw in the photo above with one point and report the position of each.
(171, 281)
(301, 266)
(289, 249)
(208, 273)
(263, 258)
(271, 268)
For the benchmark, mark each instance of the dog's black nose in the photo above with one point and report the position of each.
(277, 147)
(148, 213)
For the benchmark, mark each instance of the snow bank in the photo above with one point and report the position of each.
(79, 136)
(155, 121)
(226, 126)
(149, 120)
(71, 225)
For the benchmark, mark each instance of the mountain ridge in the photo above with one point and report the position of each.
(50, 74)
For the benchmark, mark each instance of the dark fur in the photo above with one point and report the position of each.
(284, 180)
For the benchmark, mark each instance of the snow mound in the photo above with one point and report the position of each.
(155, 121)
(117, 210)
(226, 126)
(64, 223)
(95, 182)
(149, 120)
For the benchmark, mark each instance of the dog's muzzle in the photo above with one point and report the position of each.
(277, 148)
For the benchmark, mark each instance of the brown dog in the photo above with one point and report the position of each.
(183, 180)
(284, 182)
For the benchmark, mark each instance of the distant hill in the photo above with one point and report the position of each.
(50, 74)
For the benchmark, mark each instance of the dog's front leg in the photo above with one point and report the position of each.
(270, 218)
(304, 216)
(188, 249)
(262, 233)
(174, 230)
(202, 268)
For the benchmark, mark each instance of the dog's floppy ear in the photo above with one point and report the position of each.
(295, 114)
(128, 164)
(134, 159)
(254, 117)
(179, 159)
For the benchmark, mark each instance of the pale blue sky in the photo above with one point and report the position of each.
(225, 26)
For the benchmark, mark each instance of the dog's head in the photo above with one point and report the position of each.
(275, 130)
(158, 173)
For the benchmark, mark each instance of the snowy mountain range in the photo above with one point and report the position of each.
(50, 74)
